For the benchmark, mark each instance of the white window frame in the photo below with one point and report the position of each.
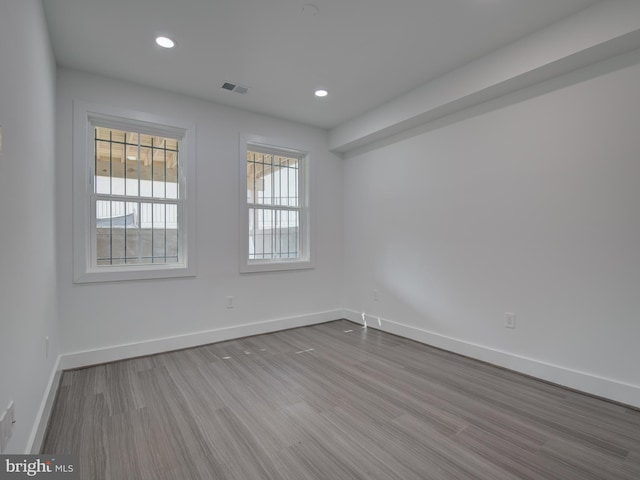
(85, 268)
(306, 260)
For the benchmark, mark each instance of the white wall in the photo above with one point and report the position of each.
(105, 315)
(28, 304)
(530, 207)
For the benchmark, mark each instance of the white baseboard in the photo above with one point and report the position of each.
(42, 418)
(592, 384)
(583, 381)
(159, 345)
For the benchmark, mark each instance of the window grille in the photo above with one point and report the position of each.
(136, 198)
(275, 206)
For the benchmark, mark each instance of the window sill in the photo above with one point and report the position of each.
(273, 266)
(119, 273)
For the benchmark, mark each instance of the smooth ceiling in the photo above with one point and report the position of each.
(365, 52)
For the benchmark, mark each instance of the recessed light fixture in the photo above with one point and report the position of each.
(165, 42)
(321, 93)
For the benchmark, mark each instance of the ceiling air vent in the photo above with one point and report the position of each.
(235, 88)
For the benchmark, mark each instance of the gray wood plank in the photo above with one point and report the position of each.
(333, 401)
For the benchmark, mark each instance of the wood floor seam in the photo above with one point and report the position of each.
(333, 401)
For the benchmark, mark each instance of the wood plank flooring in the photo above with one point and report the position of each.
(331, 402)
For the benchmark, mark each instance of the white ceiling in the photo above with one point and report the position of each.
(365, 52)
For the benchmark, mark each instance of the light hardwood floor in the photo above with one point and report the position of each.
(331, 402)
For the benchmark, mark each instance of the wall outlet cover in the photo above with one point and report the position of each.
(509, 320)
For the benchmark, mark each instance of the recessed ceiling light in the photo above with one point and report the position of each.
(165, 42)
(321, 93)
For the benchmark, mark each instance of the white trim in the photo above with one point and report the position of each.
(583, 381)
(83, 114)
(44, 412)
(271, 145)
(159, 345)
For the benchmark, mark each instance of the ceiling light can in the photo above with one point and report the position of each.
(321, 93)
(165, 42)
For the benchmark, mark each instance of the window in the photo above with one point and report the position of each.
(131, 213)
(275, 214)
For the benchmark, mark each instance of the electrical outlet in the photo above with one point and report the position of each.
(509, 320)
(230, 302)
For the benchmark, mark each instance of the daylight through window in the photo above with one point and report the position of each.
(275, 209)
(136, 198)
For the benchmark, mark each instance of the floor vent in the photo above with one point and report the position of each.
(235, 88)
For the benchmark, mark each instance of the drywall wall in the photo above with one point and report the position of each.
(109, 315)
(527, 205)
(28, 304)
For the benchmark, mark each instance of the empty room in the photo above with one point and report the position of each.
(320, 239)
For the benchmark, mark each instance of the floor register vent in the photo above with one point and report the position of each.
(232, 87)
